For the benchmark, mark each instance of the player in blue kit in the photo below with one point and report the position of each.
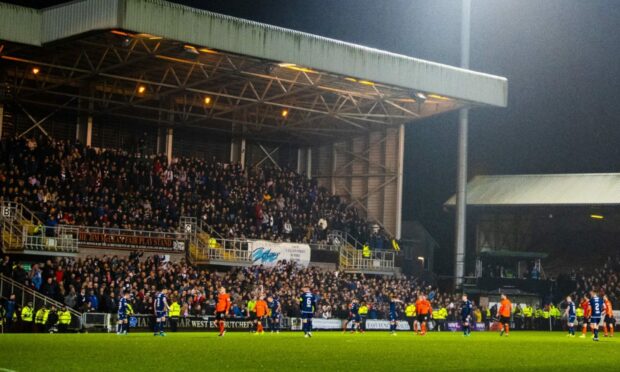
(597, 307)
(571, 316)
(393, 314)
(121, 324)
(354, 315)
(466, 313)
(307, 305)
(161, 308)
(275, 315)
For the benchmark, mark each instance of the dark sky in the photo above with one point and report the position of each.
(561, 57)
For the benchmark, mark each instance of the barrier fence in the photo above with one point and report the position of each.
(144, 323)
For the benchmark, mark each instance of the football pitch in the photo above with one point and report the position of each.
(288, 351)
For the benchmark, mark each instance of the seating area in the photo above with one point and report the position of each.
(68, 184)
(94, 285)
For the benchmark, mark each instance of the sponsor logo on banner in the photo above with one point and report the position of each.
(318, 323)
(269, 253)
(145, 322)
(456, 326)
(375, 324)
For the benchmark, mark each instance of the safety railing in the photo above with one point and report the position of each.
(374, 261)
(203, 226)
(13, 226)
(324, 247)
(25, 295)
(220, 251)
(59, 239)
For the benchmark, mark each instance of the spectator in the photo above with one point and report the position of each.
(67, 184)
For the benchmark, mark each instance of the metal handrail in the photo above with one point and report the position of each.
(353, 259)
(6, 282)
(61, 238)
(33, 217)
(209, 230)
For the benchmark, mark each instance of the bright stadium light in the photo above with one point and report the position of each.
(207, 100)
(35, 70)
(284, 113)
(141, 89)
(191, 49)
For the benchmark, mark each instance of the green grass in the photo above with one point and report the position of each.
(326, 351)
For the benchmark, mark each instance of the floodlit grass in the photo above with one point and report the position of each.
(326, 351)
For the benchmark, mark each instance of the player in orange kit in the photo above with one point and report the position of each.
(423, 307)
(587, 312)
(505, 310)
(609, 318)
(221, 310)
(261, 310)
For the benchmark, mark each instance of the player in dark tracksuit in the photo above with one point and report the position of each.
(276, 314)
(466, 313)
(122, 325)
(393, 314)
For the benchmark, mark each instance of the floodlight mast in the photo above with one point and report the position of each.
(461, 182)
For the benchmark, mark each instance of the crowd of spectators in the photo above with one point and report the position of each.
(67, 183)
(94, 285)
(605, 278)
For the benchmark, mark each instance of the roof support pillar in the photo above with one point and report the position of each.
(89, 131)
(309, 162)
(169, 139)
(158, 142)
(299, 160)
(1, 118)
(237, 151)
(399, 182)
(332, 179)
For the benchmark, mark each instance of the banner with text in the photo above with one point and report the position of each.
(457, 326)
(268, 253)
(318, 323)
(119, 239)
(384, 325)
(193, 323)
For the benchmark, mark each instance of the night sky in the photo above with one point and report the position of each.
(561, 58)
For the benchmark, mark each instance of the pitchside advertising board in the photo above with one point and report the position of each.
(144, 323)
(193, 323)
(268, 253)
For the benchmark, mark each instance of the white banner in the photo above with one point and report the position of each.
(318, 323)
(268, 253)
(336, 324)
(372, 324)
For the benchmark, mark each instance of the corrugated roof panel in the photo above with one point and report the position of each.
(189, 25)
(20, 24)
(60, 22)
(547, 189)
(269, 42)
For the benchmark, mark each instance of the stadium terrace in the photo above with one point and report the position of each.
(200, 179)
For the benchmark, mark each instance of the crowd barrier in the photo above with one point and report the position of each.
(144, 323)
